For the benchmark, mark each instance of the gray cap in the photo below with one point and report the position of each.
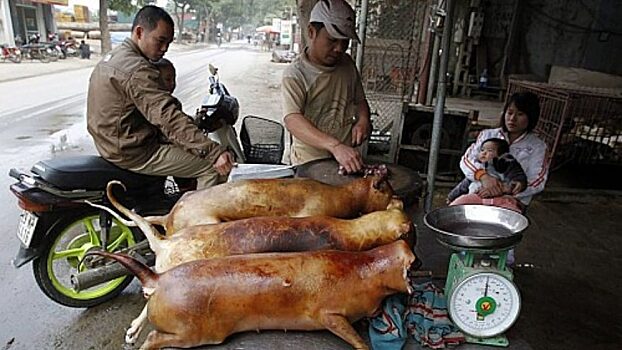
(338, 18)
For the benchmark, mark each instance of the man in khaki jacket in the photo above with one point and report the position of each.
(127, 109)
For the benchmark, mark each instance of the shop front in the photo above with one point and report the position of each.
(23, 19)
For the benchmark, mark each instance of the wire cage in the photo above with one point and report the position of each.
(579, 125)
(391, 63)
(263, 140)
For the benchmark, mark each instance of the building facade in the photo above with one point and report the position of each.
(23, 18)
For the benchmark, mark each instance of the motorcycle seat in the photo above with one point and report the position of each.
(89, 172)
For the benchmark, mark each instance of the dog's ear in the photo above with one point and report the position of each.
(395, 203)
(377, 182)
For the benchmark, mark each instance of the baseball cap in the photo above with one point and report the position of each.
(338, 18)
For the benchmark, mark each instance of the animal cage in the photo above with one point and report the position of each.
(391, 63)
(579, 125)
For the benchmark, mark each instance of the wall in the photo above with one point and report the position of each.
(604, 49)
(6, 27)
(44, 18)
(576, 33)
(566, 33)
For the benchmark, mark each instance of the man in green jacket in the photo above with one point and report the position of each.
(127, 109)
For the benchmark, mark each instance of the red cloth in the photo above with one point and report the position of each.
(507, 202)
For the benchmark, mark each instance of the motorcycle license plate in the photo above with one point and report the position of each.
(26, 228)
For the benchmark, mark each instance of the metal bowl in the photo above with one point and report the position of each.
(477, 226)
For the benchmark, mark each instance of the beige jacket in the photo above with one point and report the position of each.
(127, 109)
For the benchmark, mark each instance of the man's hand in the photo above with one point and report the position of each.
(491, 187)
(360, 131)
(347, 157)
(224, 163)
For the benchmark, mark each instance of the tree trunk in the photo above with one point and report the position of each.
(208, 25)
(199, 24)
(304, 8)
(181, 23)
(178, 23)
(105, 43)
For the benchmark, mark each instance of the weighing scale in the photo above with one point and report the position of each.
(482, 300)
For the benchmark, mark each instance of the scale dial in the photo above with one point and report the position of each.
(484, 304)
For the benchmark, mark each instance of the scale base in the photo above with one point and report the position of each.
(463, 265)
(499, 341)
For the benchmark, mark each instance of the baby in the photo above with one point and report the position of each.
(168, 77)
(167, 74)
(499, 163)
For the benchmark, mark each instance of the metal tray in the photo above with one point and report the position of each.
(477, 226)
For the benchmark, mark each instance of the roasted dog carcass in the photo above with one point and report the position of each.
(265, 234)
(204, 301)
(296, 197)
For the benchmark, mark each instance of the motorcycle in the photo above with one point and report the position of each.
(69, 48)
(13, 54)
(219, 111)
(58, 227)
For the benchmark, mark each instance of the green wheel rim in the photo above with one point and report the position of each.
(123, 238)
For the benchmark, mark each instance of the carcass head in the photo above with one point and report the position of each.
(379, 195)
(399, 257)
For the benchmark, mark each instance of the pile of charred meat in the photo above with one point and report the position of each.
(292, 254)
(379, 170)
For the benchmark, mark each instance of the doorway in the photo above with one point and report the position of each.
(28, 18)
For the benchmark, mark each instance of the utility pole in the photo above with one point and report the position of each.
(441, 90)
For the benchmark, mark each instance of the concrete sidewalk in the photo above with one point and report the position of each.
(566, 271)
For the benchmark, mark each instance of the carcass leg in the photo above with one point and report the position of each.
(159, 340)
(131, 335)
(340, 326)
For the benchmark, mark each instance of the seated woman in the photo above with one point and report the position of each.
(518, 121)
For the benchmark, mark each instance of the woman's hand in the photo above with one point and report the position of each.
(491, 187)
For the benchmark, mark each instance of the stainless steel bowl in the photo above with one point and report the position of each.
(477, 226)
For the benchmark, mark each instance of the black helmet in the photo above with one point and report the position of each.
(217, 110)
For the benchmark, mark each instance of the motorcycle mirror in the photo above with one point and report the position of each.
(213, 70)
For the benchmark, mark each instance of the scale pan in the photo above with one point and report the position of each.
(477, 226)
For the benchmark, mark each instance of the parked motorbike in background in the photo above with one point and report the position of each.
(11, 53)
(57, 227)
(70, 48)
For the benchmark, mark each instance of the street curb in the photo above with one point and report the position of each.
(46, 73)
(179, 50)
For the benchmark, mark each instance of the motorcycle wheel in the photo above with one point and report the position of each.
(66, 244)
(42, 56)
(52, 54)
(15, 58)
